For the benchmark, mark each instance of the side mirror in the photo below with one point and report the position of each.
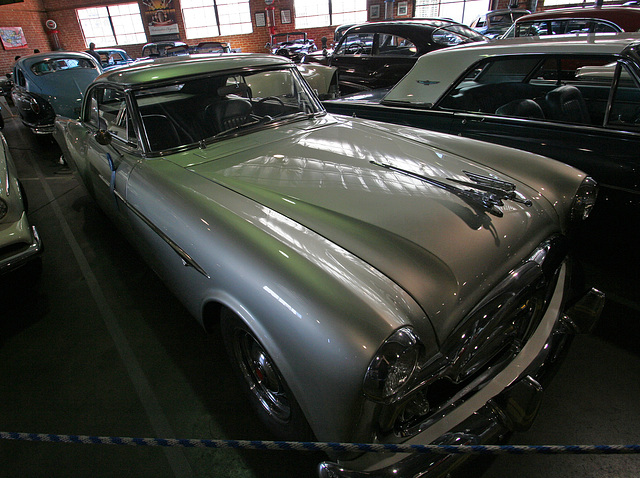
(103, 137)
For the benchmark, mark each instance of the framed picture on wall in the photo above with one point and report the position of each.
(374, 11)
(285, 16)
(12, 37)
(261, 20)
(402, 8)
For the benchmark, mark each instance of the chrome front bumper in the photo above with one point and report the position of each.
(513, 409)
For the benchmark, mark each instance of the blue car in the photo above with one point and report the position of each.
(50, 84)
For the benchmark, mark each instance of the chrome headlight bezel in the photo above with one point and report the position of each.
(392, 368)
(584, 199)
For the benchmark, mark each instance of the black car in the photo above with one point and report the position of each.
(574, 99)
(378, 55)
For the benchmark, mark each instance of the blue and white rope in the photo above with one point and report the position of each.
(329, 446)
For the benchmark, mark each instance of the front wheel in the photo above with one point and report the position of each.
(268, 393)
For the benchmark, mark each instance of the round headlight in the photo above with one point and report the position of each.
(584, 200)
(393, 365)
(4, 208)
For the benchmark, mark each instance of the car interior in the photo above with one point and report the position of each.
(570, 89)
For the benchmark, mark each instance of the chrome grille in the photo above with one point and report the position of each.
(485, 342)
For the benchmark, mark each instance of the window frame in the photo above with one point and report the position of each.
(334, 17)
(140, 35)
(244, 27)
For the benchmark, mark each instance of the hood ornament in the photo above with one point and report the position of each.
(486, 192)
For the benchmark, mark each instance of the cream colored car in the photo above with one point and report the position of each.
(19, 242)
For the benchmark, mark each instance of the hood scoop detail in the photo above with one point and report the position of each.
(486, 193)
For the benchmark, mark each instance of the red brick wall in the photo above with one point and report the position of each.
(32, 15)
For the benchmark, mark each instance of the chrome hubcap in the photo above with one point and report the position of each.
(263, 377)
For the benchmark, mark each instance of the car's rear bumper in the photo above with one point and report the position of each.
(513, 409)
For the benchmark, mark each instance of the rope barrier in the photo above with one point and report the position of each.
(329, 446)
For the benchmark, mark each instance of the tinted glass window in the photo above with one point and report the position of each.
(108, 110)
(60, 64)
(356, 44)
(395, 45)
(570, 88)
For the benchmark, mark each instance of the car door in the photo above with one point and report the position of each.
(352, 58)
(372, 60)
(108, 166)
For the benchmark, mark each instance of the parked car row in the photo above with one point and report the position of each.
(379, 54)
(573, 99)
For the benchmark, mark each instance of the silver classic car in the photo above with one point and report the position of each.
(372, 283)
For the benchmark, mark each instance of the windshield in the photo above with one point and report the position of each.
(202, 110)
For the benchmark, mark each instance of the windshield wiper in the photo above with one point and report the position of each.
(488, 193)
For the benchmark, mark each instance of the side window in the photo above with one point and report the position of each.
(571, 89)
(356, 44)
(108, 110)
(395, 45)
(625, 107)
(601, 27)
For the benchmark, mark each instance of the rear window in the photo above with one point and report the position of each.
(59, 64)
(454, 35)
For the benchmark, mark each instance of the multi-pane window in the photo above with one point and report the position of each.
(463, 11)
(112, 25)
(212, 18)
(313, 13)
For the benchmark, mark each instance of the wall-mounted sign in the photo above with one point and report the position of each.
(12, 38)
(160, 17)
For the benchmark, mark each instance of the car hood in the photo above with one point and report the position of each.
(445, 253)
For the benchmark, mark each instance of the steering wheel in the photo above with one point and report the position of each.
(277, 100)
(354, 49)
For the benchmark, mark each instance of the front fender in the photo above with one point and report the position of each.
(321, 78)
(320, 312)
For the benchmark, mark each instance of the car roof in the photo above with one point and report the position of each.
(613, 13)
(416, 23)
(440, 68)
(26, 62)
(166, 69)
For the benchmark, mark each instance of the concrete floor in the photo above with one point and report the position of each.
(100, 347)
